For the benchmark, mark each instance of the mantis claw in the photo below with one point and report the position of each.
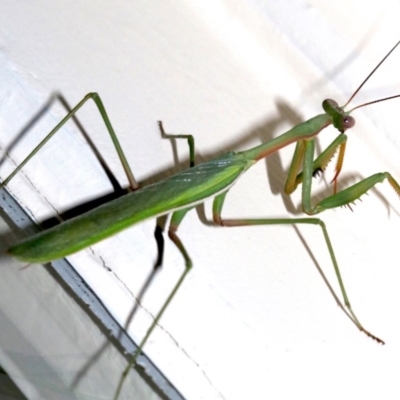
(369, 334)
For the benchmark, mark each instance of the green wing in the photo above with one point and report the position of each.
(179, 191)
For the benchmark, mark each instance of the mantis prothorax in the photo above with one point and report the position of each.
(183, 191)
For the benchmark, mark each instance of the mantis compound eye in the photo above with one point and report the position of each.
(348, 122)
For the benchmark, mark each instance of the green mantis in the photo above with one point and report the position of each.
(182, 192)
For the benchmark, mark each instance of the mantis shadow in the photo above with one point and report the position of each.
(115, 335)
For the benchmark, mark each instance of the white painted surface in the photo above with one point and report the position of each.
(254, 319)
(49, 345)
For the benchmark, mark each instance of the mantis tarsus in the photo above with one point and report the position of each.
(183, 191)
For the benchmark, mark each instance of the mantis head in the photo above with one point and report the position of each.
(341, 120)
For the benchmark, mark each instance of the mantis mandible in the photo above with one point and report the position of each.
(182, 192)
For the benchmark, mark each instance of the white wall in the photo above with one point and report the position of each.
(254, 319)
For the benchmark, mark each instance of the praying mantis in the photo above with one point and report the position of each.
(182, 192)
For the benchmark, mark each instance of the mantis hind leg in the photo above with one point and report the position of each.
(176, 219)
(217, 209)
(71, 115)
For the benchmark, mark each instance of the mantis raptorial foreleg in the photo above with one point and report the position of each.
(344, 197)
(319, 164)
